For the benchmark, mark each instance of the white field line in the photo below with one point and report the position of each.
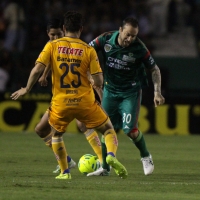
(105, 183)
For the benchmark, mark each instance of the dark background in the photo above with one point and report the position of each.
(170, 29)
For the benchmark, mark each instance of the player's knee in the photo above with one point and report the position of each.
(37, 129)
(42, 131)
(82, 128)
(107, 126)
(133, 134)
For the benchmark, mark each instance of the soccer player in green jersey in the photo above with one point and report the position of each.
(125, 59)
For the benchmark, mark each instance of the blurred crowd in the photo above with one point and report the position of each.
(23, 27)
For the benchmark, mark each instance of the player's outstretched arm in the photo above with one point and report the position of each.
(43, 79)
(156, 78)
(34, 75)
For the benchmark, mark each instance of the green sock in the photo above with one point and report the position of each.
(141, 145)
(104, 154)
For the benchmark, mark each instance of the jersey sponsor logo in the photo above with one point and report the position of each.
(128, 58)
(151, 60)
(70, 51)
(107, 47)
(68, 60)
(117, 61)
(117, 64)
(75, 100)
(91, 43)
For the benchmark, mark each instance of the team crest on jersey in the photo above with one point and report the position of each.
(107, 47)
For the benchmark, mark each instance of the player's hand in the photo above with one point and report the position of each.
(18, 93)
(43, 81)
(158, 99)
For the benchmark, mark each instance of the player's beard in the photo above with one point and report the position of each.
(126, 43)
(123, 42)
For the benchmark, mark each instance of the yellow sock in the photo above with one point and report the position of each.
(93, 138)
(59, 150)
(48, 140)
(111, 141)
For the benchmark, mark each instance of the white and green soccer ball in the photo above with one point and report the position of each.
(88, 163)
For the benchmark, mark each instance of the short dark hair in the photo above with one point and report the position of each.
(54, 23)
(130, 20)
(73, 21)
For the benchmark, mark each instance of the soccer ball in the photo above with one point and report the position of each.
(88, 163)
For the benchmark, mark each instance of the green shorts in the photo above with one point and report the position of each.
(122, 110)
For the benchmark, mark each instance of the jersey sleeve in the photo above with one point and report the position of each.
(148, 60)
(44, 56)
(94, 63)
(97, 43)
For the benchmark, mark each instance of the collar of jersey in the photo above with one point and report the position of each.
(113, 39)
(68, 37)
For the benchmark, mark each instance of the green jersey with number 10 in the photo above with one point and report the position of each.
(124, 67)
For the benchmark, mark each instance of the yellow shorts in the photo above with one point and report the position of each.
(92, 115)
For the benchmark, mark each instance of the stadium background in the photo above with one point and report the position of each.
(173, 39)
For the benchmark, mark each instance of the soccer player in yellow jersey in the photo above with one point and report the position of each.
(70, 59)
(43, 129)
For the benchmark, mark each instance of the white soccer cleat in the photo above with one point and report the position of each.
(99, 172)
(71, 164)
(57, 170)
(148, 165)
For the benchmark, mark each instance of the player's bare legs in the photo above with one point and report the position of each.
(43, 130)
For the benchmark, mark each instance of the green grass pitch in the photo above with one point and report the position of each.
(26, 170)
